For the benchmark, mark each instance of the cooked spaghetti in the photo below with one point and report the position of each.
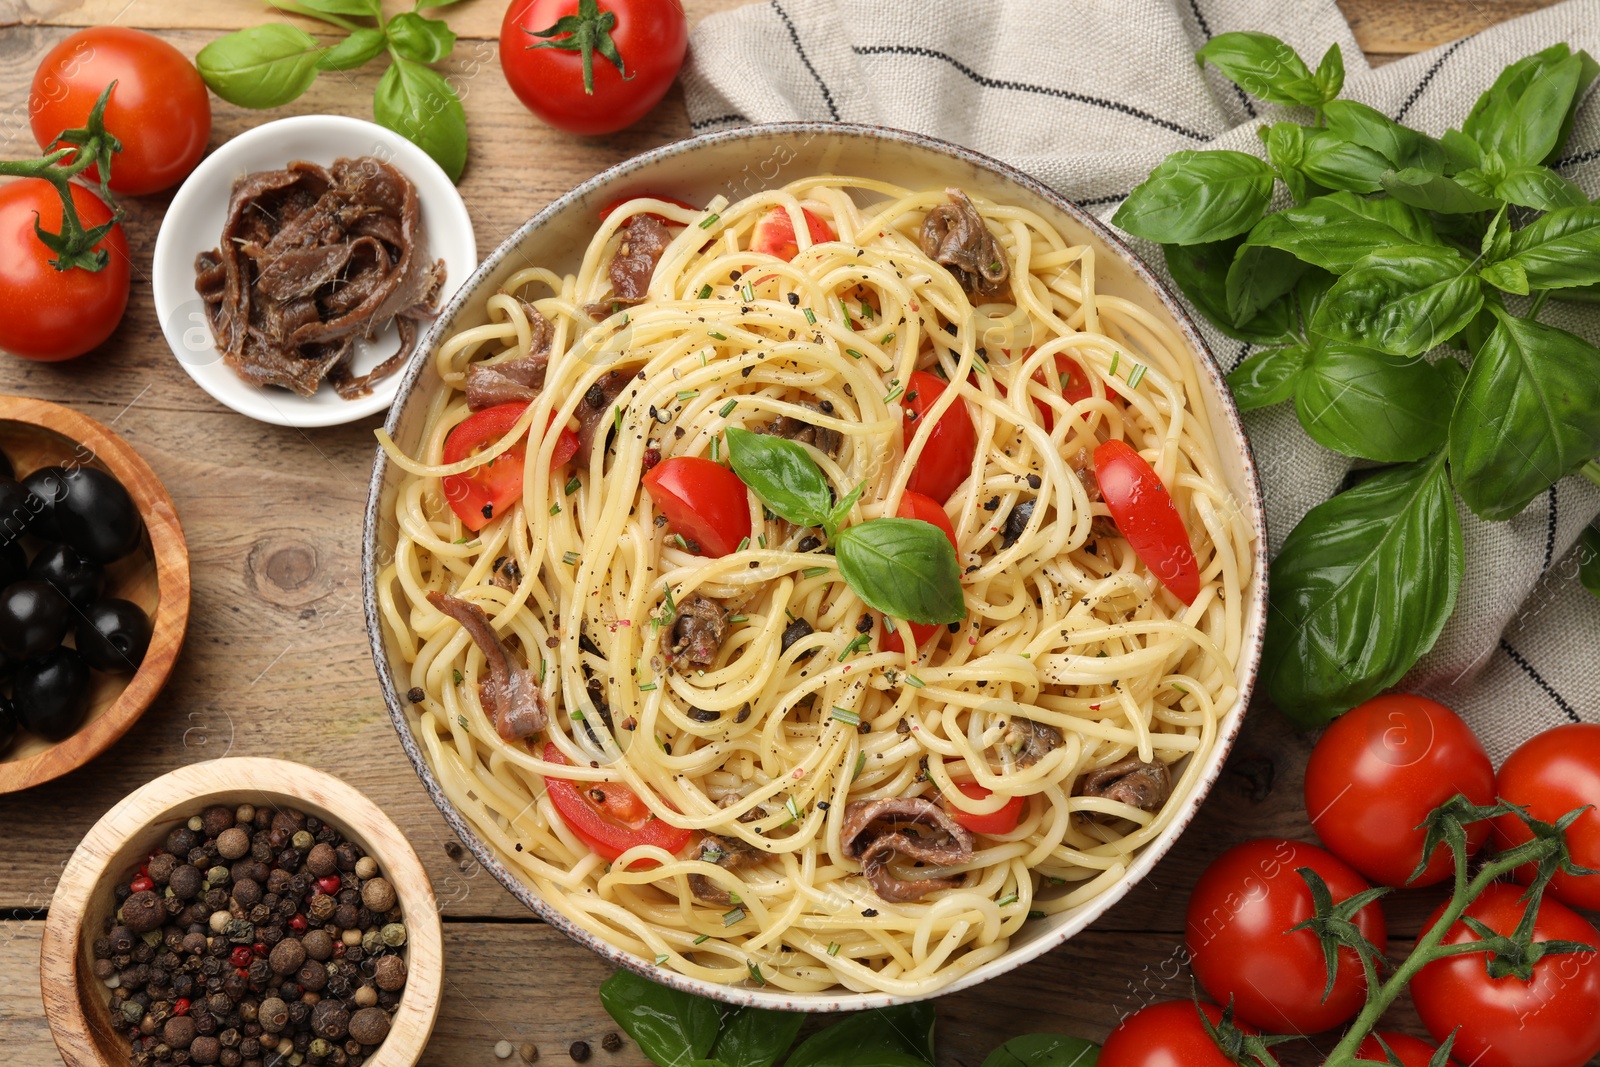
(793, 793)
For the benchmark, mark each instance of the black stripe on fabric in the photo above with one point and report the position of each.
(1244, 352)
(1582, 157)
(1205, 28)
(717, 121)
(1024, 87)
(1428, 77)
(1528, 669)
(1098, 200)
(1550, 534)
(794, 35)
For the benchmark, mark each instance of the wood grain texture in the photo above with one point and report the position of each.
(276, 661)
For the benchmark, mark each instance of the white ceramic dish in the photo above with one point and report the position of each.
(194, 223)
(736, 163)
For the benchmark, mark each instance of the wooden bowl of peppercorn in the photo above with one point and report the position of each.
(260, 834)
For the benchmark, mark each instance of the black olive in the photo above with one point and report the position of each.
(17, 511)
(93, 513)
(51, 693)
(8, 723)
(114, 635)
(13, 563)
(33, 618)
(46, 487)
(74, 577)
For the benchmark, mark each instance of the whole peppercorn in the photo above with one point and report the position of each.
(321, 908)
(318, 944)
(235, 985)
(390, 973)
(288, 955)
(104, 969)
(262, 850)
(288, 820)
(233, 843)
(122, 940)
(230, 1058)
(245, 813)
(204, 1050)
(579, 1051)
(348, 857)
(377, 894)
(312, 975)
(185, 882)
(278, 882)
(247, 892)
(274, 1015)
(329, 1019)
(394, 934)
(322, 860)
(289, 859)
(216, 819)
(529, 1052)
(218, 875)
(345, 915)
(366, 997)
(143, 912)
(369, 1026)
(229, 1038)
(204, 855)
(178, 1031)
(161, 866)
(612, 1041)
(249, 1047)
(181, 840)
(299, 1013)
(303, 840)
(366, 867)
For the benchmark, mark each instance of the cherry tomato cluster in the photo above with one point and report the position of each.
(1371, 782)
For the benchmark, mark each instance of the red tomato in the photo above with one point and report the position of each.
(159, 110)
(1552, 1021)
(487, 491)
(774, 233)
(915, 505)
(53, 314)
(1411, 1051)
(1071, 378)
(1550, 775)
(1239, 947)
(995, 822)
(651, 36)
(946, 460)
(704, 501)
(1146, 516)
(1166, 1034)
(1378, 771)
(605, 212)
(608, 817)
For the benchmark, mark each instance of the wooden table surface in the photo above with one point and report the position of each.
(276, 661)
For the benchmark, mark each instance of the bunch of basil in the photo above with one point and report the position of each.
(268, 66)
(1396, 243)
(676, 1029)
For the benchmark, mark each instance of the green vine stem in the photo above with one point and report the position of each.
(91, 146)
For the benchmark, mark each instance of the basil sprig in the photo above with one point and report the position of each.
(1396, 244)
(788, 481)
(268, 66)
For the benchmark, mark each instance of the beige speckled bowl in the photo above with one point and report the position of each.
(736, 163)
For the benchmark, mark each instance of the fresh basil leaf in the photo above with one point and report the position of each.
(1583, 294)
(359, 47)
(1497, 238)
(1371, 405)
(1360, 591)
(1461, 151)
(755, 1037)
(1196, 197)
(1556, 251)
(1540, 188)
(1335, 231)
(1435, 192)
(343, 7)
(1201, 272)
(883, 1037)
(1528, 416)
(1527, 114)
(1267, 378)
(1332, 161)
(1259, 276)
(902, 567)
(1510, 277)
(1045, 1050)
(1402, 300)
(1330, 73)
(1589, 559)
(422, 39)
(420, 106)
(1371, 128)
(1264, 67)
(782, 473)
(263, 66)
(670, 1027)
(1286, 150)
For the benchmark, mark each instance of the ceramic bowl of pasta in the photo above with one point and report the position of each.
(815, 566)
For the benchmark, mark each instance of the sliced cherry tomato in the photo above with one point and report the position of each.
(1072, 381)
(995, 822)
(1166, 1034)
(1147, 517)
(1550, 775)
(487, 491)
(605, 212)
(1377, 772)
(774, 233)
(608, 817)
(946, 460)
(704, 501)
(1551, 1021)
(1238, 923)
(52, 314)
(1411, 1051)
(914, 505)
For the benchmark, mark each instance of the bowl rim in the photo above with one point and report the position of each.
(837, 998)
(219, 168)
(170, 623)
(63, 985)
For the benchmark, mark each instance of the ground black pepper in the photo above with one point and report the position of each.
(579, 1051)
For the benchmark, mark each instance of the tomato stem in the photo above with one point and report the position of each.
(90, 146)
(587, 32)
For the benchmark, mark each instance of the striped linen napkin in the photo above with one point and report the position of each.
(1089, 96)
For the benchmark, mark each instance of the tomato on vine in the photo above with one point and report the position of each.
(1550, 775)
(1168, 1033)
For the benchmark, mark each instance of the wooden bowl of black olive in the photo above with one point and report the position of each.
(94, 589)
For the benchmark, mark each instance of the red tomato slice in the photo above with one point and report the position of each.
(613, 822)
(995, 822)
(946, 460)
(704, 501)
(479, 495)
(606, 211)
(1146, 516)
(774, 233)
(919, 506)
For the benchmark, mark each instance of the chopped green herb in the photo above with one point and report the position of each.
(569, 557)
(866, 310)
(727, 409)
(455, 676)
(861, 761)
(833, 948)
(679, 540)
(852, 718)
(744, 543)
(812, 572)
(810, 316)
(702, 939)
(716, 449)
(647, 687)
(1005, 900)
(577, 715)
(856, 644)
(888, 624)
(755, 974)
(1036, 915)
(616, 418)
(688, 394)
(666, 594)
(661, 960)
(461, 540)
(734, 620)
(749, 291)
(705, 292)
(894, 394)
(1136, 375)
(761, 539)
(719, 335)
(853, 354)
(886, 338)
(709, 221)
(914, 682)
(461, 721)
(1116, 357)
(555, 509)
(573, 485)
(793, 808)
(729, 918)
(1179, 688)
